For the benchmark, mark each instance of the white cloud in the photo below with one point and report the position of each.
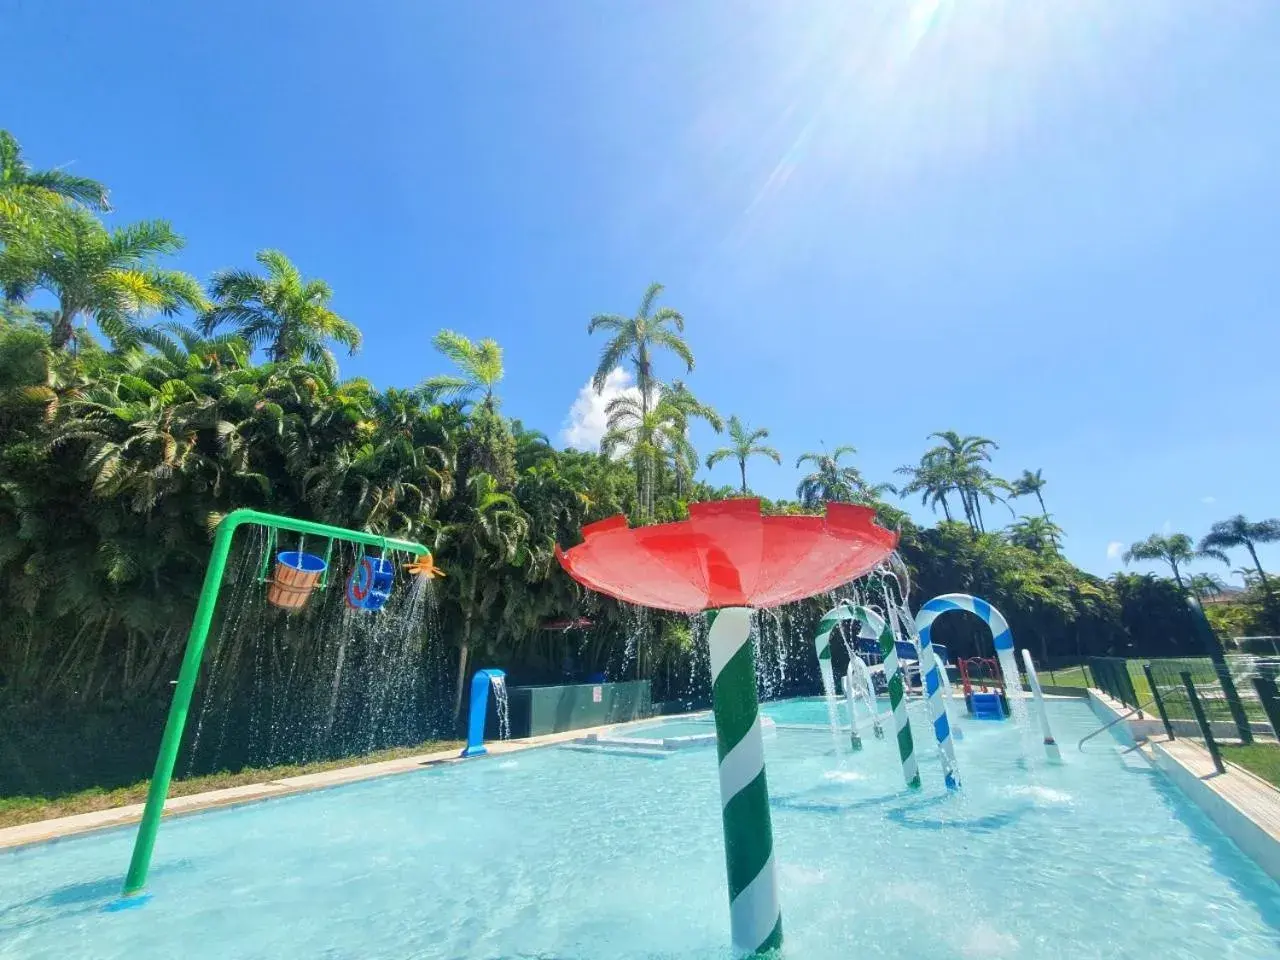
(1114, 549)
(1208, 499)
(585, 424)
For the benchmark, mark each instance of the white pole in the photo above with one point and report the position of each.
(1050, 745)
(850, 696)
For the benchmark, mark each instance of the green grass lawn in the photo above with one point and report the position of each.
(1066, 677)
(1260, 759)
(16, 810)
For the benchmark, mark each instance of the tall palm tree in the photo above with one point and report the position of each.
(744, 444)
(27, 195)
(1235, 532)
(281, 311)
(107, 276)
(635, 339)
(1175, 549)
(931, 480)
(830, 482)
(1031, 483)
(958, 464)
(480, 369)
(653, 435)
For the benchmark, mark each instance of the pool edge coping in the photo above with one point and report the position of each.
(1223, 798)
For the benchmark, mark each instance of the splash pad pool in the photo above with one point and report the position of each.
(562, 852)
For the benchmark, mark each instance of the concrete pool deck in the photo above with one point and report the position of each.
(1243, 806)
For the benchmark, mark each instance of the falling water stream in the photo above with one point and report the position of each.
(325, 682)
(500, 705)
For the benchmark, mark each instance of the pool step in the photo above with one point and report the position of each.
(616, 749)
(1134, 759)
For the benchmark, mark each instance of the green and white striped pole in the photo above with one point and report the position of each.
(878, 627)
(755, 915)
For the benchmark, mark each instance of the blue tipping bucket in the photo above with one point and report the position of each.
(369, 585)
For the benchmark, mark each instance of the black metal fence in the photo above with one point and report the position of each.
(1232, 701)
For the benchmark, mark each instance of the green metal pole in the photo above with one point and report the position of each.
(1205, 731)
(1270, 698)
(158, 791)
(1155, 694)
(1209, 639)
(140, 863)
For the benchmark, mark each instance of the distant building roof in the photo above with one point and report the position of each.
(1225, 595)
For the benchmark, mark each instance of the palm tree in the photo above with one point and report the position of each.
(957, 464)
(480, 366)
(281, 311)
(1035, 533)
(107, 276)
(1235, 532)
(635, 338)
(830, 482)
(655, 435)
(27, 195)
(931, 480)
(1205, 584)
(744, 445)
(1175, 549)
(1031, 483)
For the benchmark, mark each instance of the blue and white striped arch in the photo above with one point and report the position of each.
(1001, 636)
(932, 669)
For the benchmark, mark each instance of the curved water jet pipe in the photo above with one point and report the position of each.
(874, 625)
(1050, 745)
(822, 646)
(481, 683)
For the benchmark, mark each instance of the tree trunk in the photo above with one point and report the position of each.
(461, 685)
(1178, 577)
(946, 510)
(64, 328)
(1270, 600)
(463, 650)
(742, 465)
(1042, 509)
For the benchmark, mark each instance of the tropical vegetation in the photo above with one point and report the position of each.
(139, 405)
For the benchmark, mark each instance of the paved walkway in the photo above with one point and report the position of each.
(1251, 795)
(43, 830)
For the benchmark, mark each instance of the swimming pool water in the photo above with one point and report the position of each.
(570, 854)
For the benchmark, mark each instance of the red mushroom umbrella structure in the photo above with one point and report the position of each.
(729, 559)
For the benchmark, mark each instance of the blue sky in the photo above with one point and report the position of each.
(1051, 224)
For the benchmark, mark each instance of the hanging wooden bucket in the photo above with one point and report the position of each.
(370, 583)
(295, 576)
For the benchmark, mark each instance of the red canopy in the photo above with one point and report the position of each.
(728, 555)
